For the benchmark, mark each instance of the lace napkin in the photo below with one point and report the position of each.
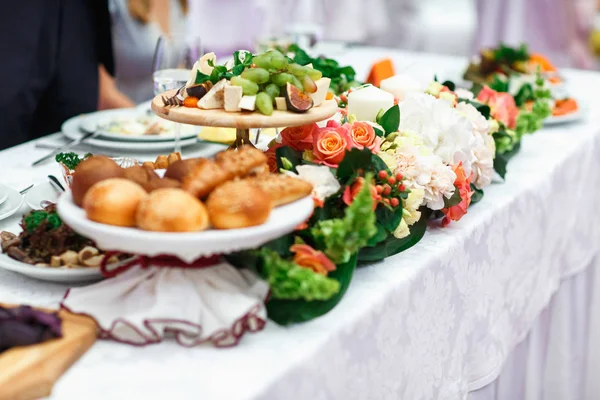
(146, 303)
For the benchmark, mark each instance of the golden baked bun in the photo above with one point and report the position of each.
(204, 177)
(238, 204)
(157, 183)
(241, 162)
(114, 201)
(172, 210)
(283, 189)
(179, 169)
(90, 171)
(140, 174)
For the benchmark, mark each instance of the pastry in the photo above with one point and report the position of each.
(90, 171)
(172, 210)
(162, 162)
(148, 164)
(179, 169)
(114, 201)
(159, 183)
(241, 162)
(204, 177)
(140, 174)
(173, 157)
(238, 204)
(283, 189)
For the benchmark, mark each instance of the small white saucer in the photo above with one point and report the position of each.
(12, 204)
(3, 193)
(41, 192)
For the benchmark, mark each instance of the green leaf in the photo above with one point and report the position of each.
(450, 85)
(524, 95)
(390, 121)
(354, 160)
(388, 217)
(285, 312)
(454, 200)
(379, 132)
(391, 246)
(499, 84)
(501, 160)
(294, 157)
(476, 88)
(201, 77)
(477, 195)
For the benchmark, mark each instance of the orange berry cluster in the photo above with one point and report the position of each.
(388, 188)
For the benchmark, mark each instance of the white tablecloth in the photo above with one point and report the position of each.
(434, 322)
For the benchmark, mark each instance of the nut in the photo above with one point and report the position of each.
(87, 252)
(93, 261)
(55, 261)
(69, 257)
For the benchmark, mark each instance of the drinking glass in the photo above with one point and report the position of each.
(174, 57)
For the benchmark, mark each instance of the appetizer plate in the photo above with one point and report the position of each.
(129, 124)
(3, 193)
(566, 119)
(65, 275)
(71, 129)
(241, 120)
(187, 246)
(41, 192)
(12, 204)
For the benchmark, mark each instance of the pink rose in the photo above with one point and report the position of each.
(330, 145)
(363, 135)
(298, 137)
(502, 106)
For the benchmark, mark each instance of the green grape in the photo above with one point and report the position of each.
(282, 78)
(264, 103)
(297, 70)
(262, 61)
(309, 85)
(296, 82)
(314, 74)
(272, 90)
(249, 88)
(278, 60)
(258, 75)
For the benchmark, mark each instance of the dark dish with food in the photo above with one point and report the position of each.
(24, 326)
(46, 242)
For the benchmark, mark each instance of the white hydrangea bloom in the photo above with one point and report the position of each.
(324, 182)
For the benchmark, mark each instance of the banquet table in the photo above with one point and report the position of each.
(500, 305)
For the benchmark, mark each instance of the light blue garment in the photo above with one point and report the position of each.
(134, 44)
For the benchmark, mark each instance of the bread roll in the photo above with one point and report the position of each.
(241, 162)
(203, 178)
(172, 210)
(174, 157)
(283, 189)
(238, 204)
(158, 183)
(113, 201)
(162, 162)
(140, 174)
(179, 169)
(90, 171)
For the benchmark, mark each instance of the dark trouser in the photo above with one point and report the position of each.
(48, 66)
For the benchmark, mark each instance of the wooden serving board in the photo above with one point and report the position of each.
(241, 120)
(28, 373)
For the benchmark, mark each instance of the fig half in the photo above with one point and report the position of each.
(296, 100)
(199, 90)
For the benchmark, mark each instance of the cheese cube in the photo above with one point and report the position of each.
(215, 98)
(248, 103)
(233, 95)
(280, 104)
(366, 102)
(321, 93)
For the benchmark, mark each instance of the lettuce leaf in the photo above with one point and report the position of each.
(290, 281)
(342, 237)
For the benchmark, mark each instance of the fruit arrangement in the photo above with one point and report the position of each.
(263, 82)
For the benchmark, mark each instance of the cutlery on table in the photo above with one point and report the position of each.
(56, 183)
(75, 142)
(26, 189)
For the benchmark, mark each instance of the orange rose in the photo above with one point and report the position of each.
(272, 158)
(298, 137)
(463, 185)
(351, 192)
(363, 135)
(307, 257)
(330, 145)
(502, 106)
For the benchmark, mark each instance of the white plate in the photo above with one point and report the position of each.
(65, 275)
(12, 204)
(565, 119)
(187, 246)
(70, 128)
(3, 193)
(101, 119)
(41, 192)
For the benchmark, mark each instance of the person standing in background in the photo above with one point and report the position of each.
(55, 56)
(559, 29)
(136, 27)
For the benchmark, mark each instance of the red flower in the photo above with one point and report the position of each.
(308, 257)
(351, 192)
(330, 144)
(272, 158)
(502, 106)
(463, 185)
(299, 137)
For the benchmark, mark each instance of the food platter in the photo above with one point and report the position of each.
(71, 129)
(65, 275)
(565, 119)
(241, 120)
(186, 246)
(129, 124)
